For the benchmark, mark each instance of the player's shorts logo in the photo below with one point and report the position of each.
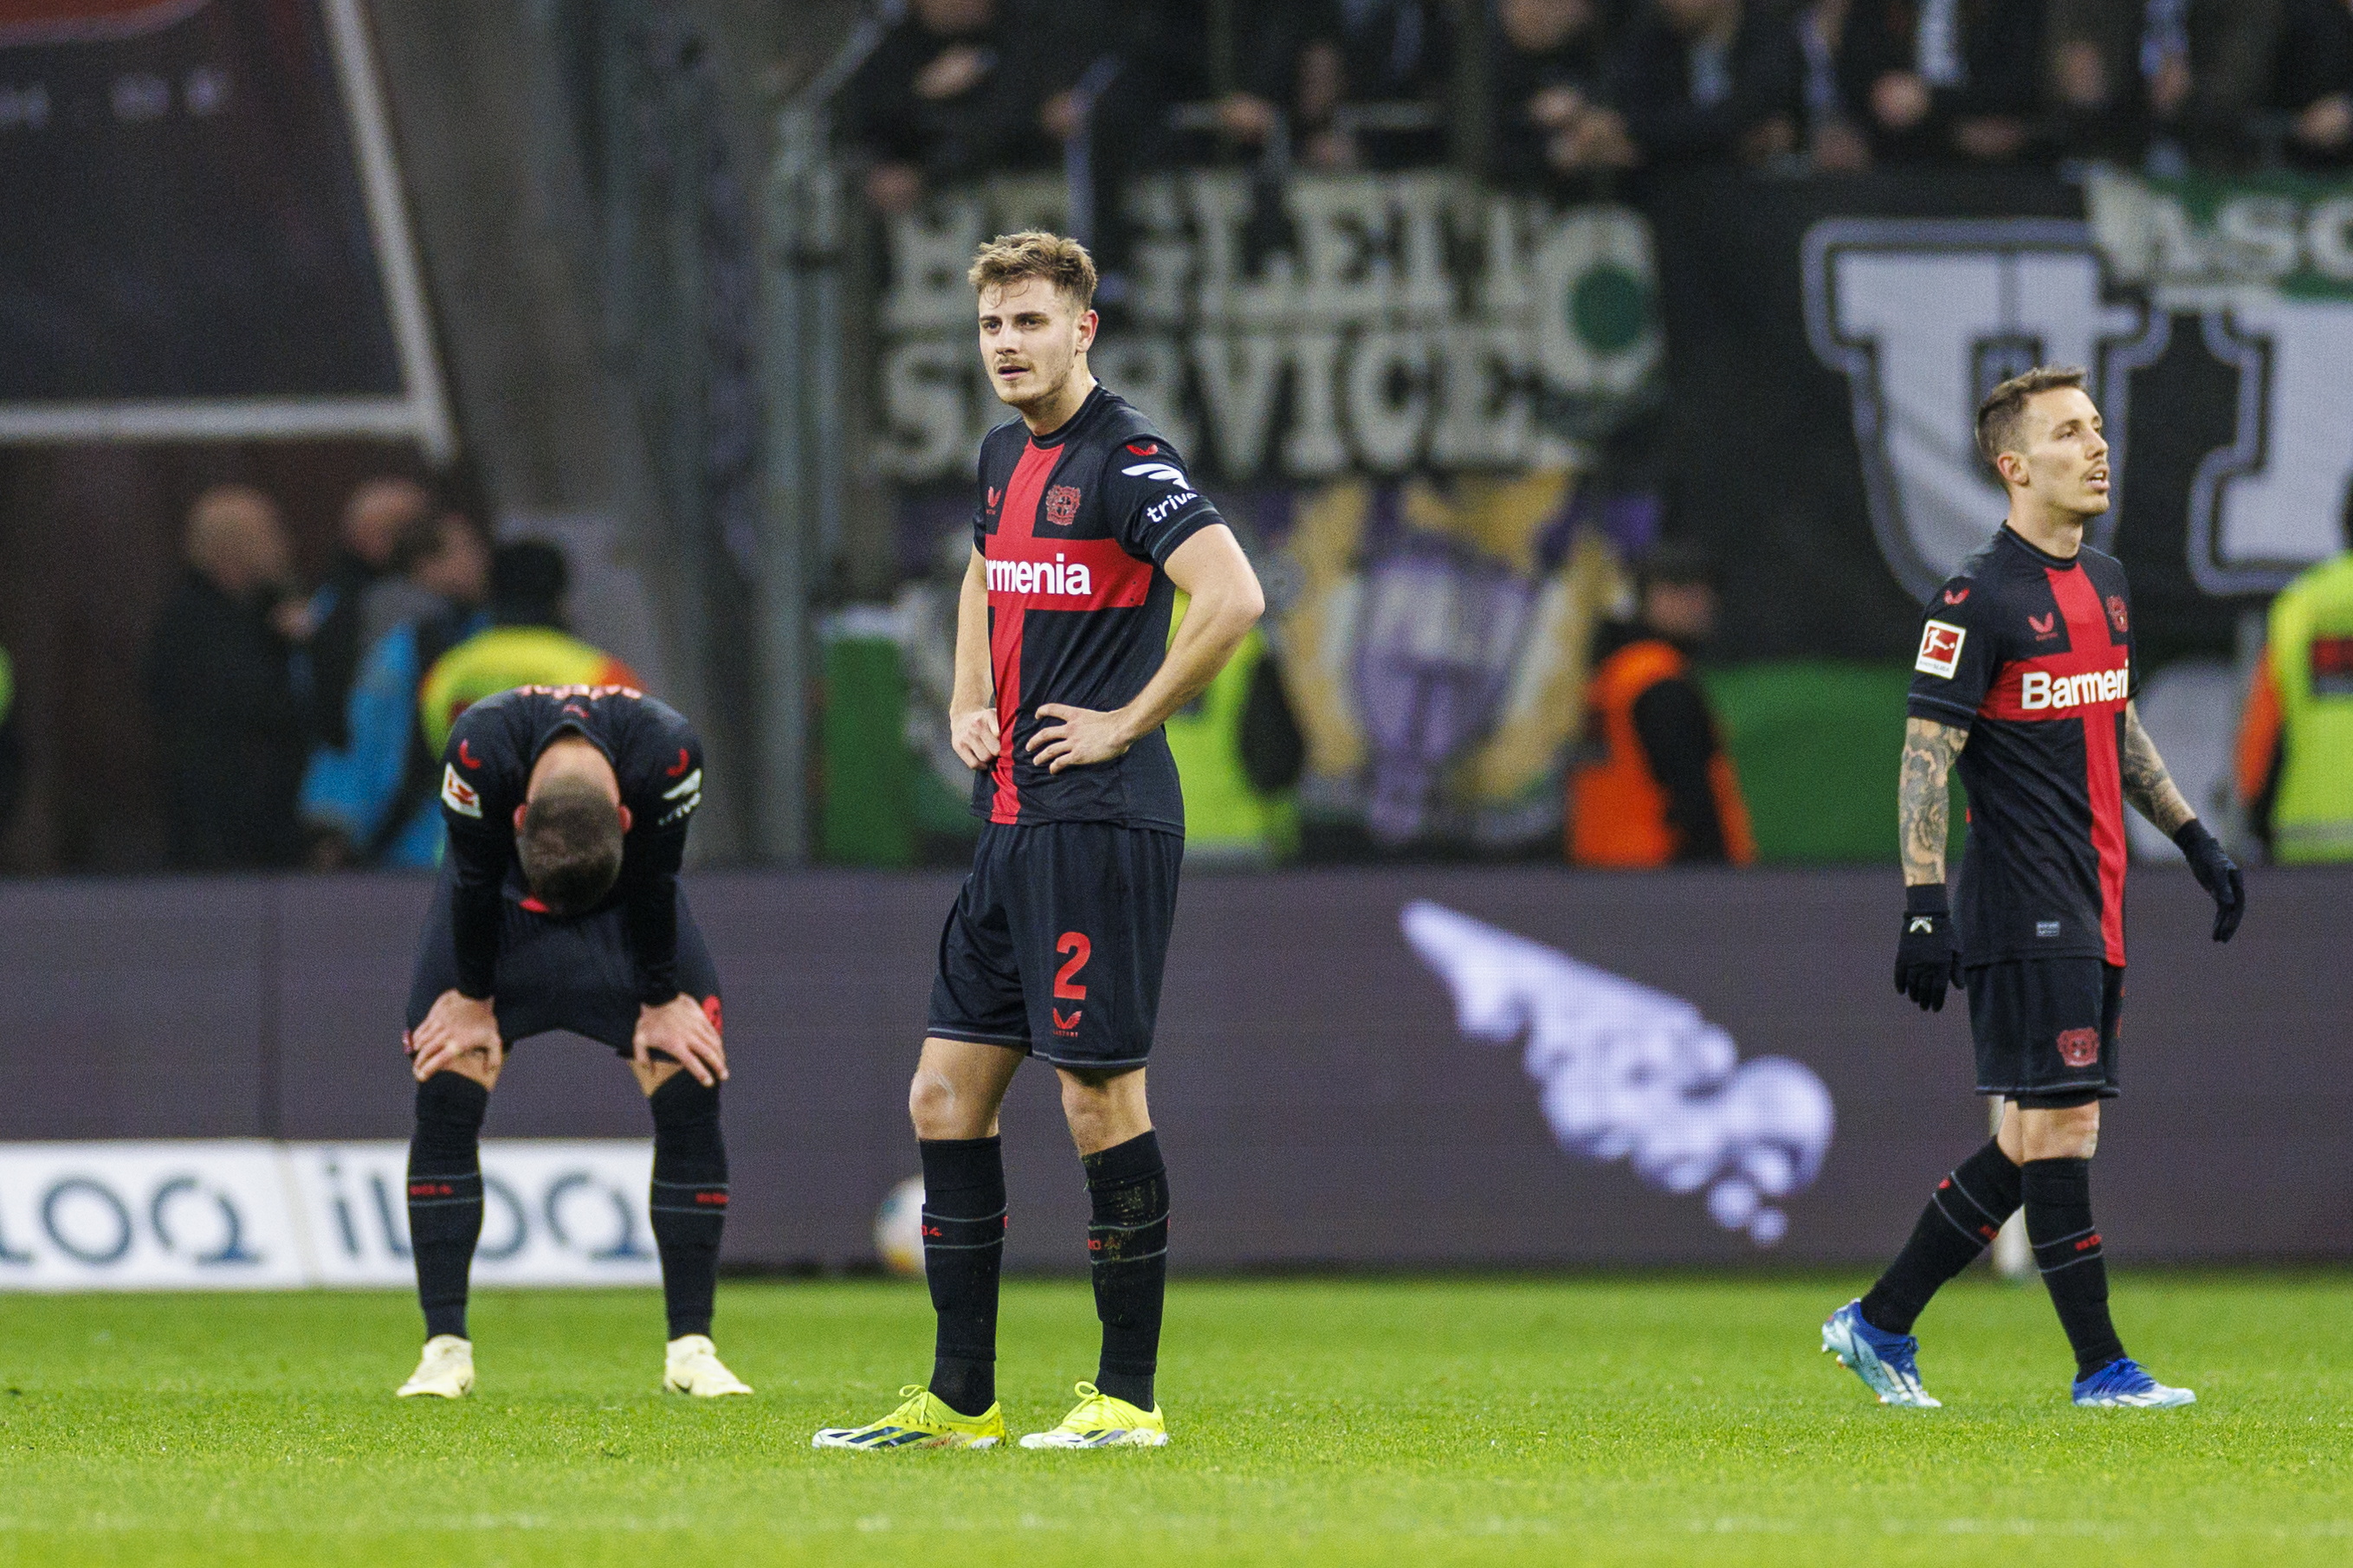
(2079, 1048)
(1940, 649)
(1062, 506)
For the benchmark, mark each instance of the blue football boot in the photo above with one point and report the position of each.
(2127, 1385)
(1886, 1362)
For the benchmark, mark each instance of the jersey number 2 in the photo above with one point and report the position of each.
(1076, 944)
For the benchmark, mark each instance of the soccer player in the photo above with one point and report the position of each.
(1085, 528)
(2024, 674)
(559, 908)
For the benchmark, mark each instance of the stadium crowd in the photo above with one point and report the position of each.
(1578, 89)
(304, 727)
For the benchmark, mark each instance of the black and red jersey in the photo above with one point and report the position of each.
(2033, 654)
(1074, 528)
(485, 775)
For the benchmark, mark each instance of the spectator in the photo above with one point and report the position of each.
(1547, 82)
(525, 644)
(2180, 81)
(1943, 80)
(2313, 81)
(1178, 52)
(379, 515)
(220, 683)
(951, 92)
(1711, 81)
(1657, 789)
(1392, 57)
(371, 802)
(12, 756)
(1836, 143)
(2296, 742)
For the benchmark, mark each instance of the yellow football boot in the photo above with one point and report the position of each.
(923, 1422)
(1099, 1421)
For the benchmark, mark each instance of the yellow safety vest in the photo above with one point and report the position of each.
(2312, 663)
(502, 658)
(1226, 818)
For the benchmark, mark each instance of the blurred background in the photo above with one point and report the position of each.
(1590, 381)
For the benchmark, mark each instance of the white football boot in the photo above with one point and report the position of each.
(446, 1370)
(690, 1365)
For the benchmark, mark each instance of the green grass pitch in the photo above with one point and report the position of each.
(1678, 1420)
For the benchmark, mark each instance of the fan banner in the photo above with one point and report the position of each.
(2214, 317)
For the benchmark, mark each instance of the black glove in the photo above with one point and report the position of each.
(1925, 962)
(2216, 873)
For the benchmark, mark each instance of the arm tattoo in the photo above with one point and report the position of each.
(1923, 805)
(2147, 786)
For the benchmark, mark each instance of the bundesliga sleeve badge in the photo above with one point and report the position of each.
(1940, 649)
(457, 794)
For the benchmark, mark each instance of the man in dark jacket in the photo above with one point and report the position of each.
(380, 515)
(1949, 80)
(1711, 81)
(1547, 82)
(220, 682)
(954, 91)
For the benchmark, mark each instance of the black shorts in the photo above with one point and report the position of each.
(576, 975)
(1056, 944)
(2046, 1028)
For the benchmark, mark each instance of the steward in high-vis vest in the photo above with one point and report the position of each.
(1652, 785)
(2295, 744)
(525, 644)
(1239, 756)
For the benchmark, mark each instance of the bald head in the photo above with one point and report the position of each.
(382, 514)
(235, 541)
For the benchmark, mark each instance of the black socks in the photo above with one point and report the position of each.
(964, 1253)
(2068, 1250)
(689, 1198)
(1127, 1249)
(445, 1196)
(1961, 1220)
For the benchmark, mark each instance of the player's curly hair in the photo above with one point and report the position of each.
(1033, 253)
(2005, 406)
(570, 845)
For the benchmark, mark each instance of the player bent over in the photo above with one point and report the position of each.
(559, 908)
(2025, 674)
(1085, 528)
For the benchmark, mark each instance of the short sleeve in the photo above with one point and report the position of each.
(1953, 664)
(1152, 500)
(478, 797)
